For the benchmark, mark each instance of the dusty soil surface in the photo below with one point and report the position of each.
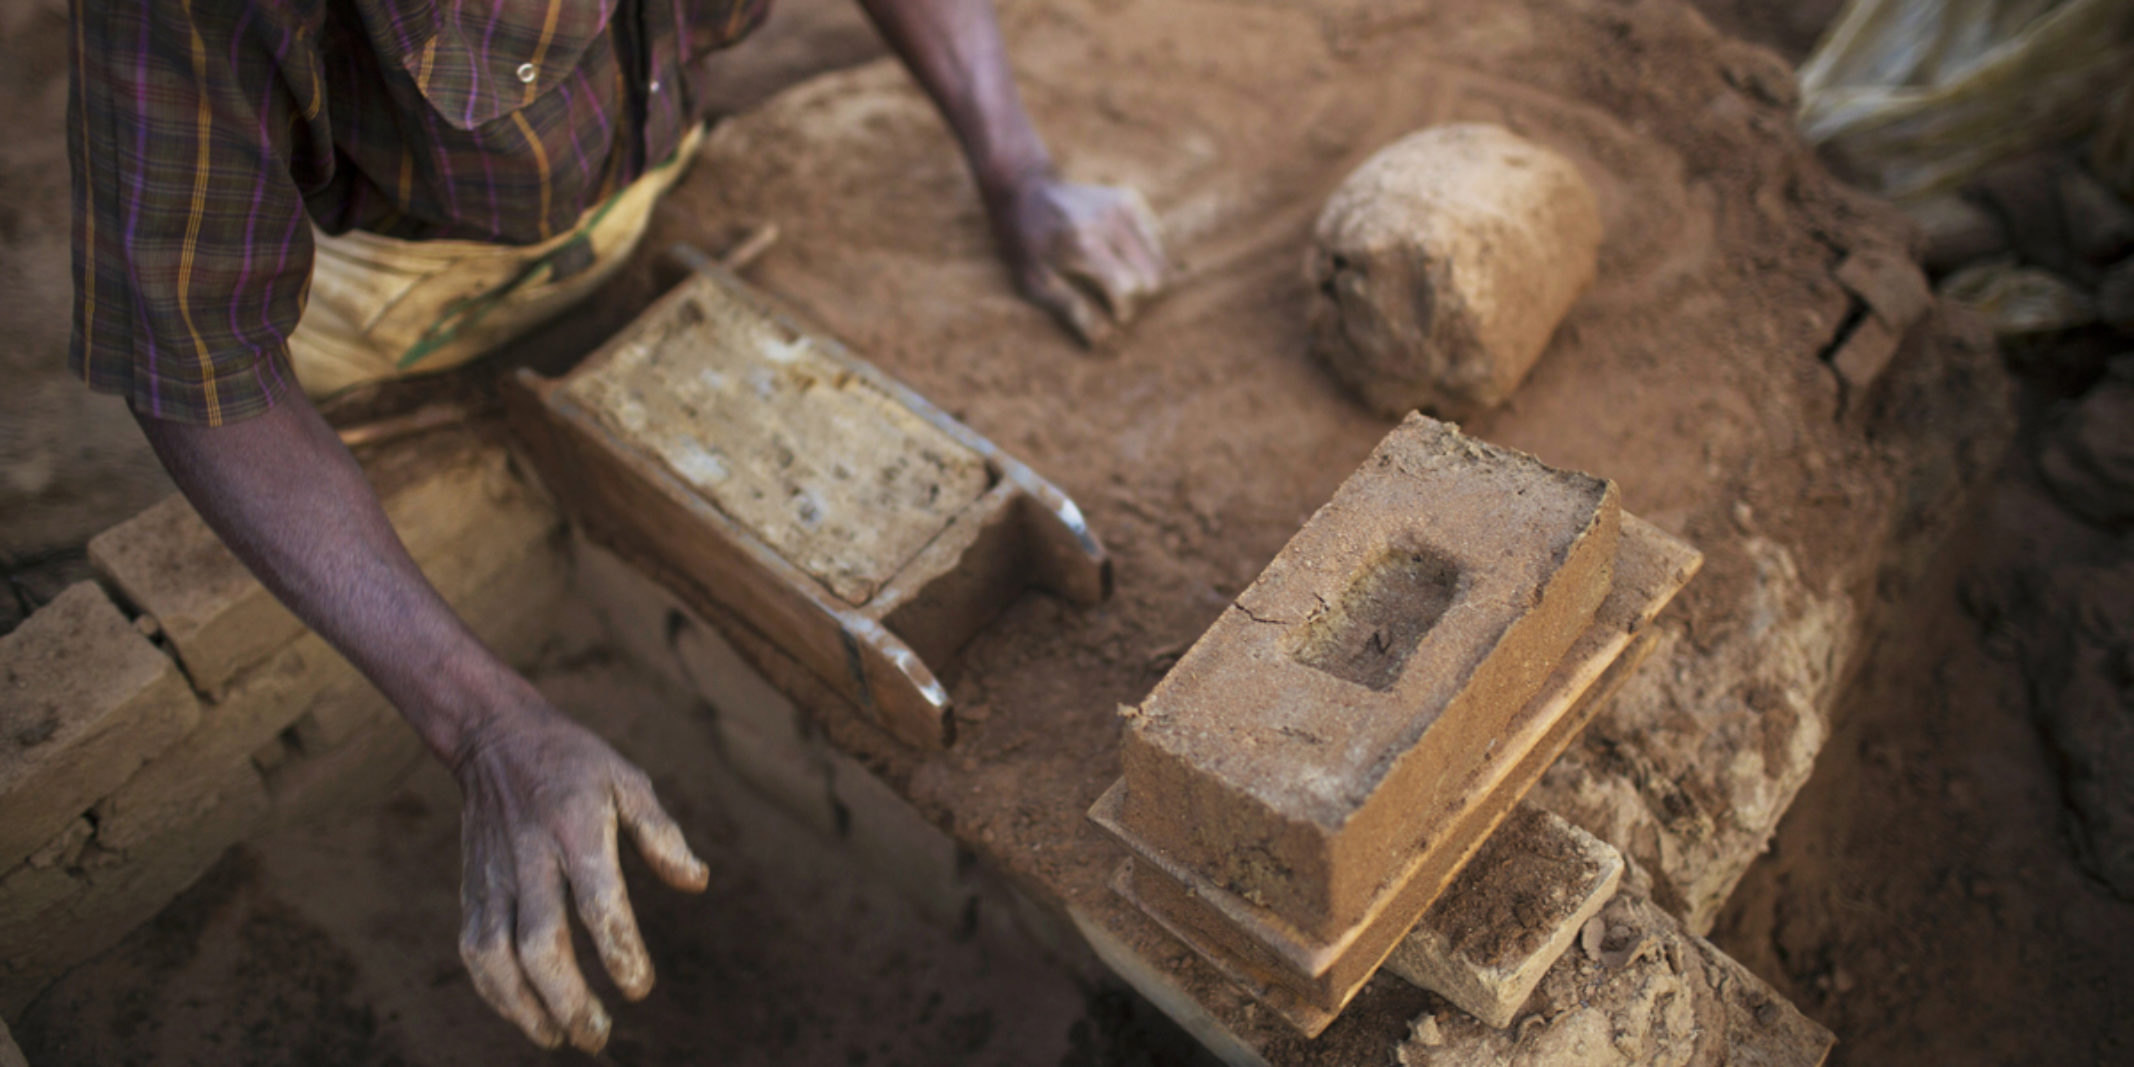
(1922, 899)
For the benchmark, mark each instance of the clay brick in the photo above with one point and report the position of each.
(219, 619)
(1515, 908)
(894, 839)
(85, 700)
(1892, 295)
(471, 523)
(258, 705)
(762, 734)
(640, 616)
(336, 714)
(1646, 991)
(760, 730)
(456, 505)
(53, 918)
(361, 770)
(1297, 750)
(1306, 980)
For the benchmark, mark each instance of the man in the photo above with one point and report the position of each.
(493, 145)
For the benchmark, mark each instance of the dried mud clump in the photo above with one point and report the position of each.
(1443, 264)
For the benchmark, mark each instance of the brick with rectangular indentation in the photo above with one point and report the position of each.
(1298, 752)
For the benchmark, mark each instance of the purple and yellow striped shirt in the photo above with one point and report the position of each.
(203, 132)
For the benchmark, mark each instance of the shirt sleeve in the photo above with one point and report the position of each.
(192, 252)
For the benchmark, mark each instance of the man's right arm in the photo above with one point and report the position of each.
(543, 796)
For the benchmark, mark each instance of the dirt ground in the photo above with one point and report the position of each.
(1923, 898)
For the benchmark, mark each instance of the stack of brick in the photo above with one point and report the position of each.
(133, 752)
(1318, 767)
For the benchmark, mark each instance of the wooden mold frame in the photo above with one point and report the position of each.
(1308, 980)
(1019, 532)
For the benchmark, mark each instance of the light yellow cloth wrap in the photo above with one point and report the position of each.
(382, 307)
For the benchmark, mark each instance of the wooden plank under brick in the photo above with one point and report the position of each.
(55, 916)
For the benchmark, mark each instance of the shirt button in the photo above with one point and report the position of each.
(528, 72)
(653, 85)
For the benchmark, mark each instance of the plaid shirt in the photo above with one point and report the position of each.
(203, 132)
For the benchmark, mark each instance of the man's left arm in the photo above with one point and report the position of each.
(1088, 254)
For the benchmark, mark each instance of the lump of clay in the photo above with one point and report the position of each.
(1444, 263)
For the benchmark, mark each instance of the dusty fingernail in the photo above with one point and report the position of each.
(593, 1028)
(550, 1036)
(629, 967)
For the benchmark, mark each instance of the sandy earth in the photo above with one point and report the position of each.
(1922, 899)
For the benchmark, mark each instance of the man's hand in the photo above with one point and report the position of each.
(1086, 253)
(542, 800)
(542, 794)
(1071, 247)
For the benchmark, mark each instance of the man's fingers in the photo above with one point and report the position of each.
(658, 839)
(1067, 304)
(495, 971)
(1093, 263)
(485, 947)
(1144, 245)
(1146, 264)
(604, 908)
(544, 943)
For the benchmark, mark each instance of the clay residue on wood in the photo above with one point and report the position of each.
(837, 477)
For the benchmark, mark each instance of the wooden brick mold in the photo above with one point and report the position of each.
(839, 513)
(1316, 769)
